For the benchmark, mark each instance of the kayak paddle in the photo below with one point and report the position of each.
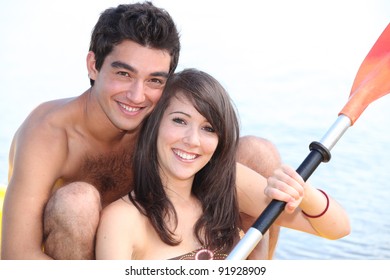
(371, 82)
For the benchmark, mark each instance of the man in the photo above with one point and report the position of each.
(71, 157)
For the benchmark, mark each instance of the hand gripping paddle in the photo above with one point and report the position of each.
(371, 82)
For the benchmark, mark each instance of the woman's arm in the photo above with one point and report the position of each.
(255, 193)
(326, 216)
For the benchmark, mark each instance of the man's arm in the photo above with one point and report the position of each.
(36, 156)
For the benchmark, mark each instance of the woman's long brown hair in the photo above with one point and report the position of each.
(214, 185)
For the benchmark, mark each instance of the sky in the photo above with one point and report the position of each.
(251, 46)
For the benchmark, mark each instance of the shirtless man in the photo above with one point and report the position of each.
(71, 157)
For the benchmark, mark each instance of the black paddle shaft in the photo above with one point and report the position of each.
(318, 153)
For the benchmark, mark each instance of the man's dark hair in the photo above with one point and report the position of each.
(142, 23)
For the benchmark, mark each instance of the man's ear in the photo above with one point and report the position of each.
(91, 65)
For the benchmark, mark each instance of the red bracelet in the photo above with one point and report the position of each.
(323, 212)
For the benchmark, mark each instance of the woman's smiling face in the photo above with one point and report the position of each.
(186, 141)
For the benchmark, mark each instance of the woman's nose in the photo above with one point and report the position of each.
(192, 137)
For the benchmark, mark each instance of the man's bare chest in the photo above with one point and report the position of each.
(111, 174)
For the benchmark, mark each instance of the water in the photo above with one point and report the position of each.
(288, 65)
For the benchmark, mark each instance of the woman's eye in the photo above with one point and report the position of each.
(179, 120)
(209, 129)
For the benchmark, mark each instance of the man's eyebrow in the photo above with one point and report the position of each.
(120, 64)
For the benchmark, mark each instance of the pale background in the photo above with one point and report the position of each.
(288, 65)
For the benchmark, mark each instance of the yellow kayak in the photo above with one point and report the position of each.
(2, 194)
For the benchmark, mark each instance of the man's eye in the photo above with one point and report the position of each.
(125, 74)
(156, 81)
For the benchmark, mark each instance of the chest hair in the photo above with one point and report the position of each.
(111, 174)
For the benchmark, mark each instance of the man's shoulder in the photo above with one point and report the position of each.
(45, 128)
(50, 115)
(54, 110)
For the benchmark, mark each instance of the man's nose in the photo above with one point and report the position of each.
(136, 92)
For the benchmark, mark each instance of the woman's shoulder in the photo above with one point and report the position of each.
(122, 208)
(120, 231)
(122, 217)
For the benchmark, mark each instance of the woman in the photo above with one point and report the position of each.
(187, 198)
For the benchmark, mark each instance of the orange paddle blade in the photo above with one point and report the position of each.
(372, 80)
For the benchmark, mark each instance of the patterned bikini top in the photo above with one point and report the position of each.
(203, 254)
(206, 254)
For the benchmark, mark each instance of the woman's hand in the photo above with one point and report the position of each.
(286, 185)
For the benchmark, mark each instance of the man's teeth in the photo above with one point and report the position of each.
(128, 108)
(184, 155)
